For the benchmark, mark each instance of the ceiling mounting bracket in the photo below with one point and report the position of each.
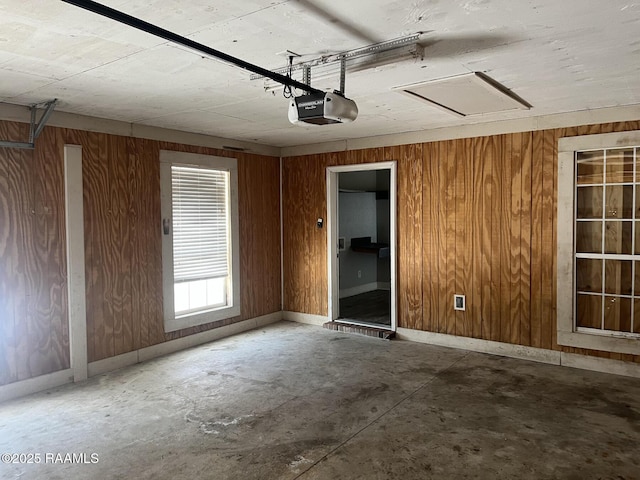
(35, 127)
(343, 73)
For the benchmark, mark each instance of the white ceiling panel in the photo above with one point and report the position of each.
(463, 95)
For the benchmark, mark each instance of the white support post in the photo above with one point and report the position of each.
(75, 261)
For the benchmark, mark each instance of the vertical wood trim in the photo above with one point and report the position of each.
(428, 297)
(515, 258)
(75, 261)
(467, 253)
(496, 237)
(547, 268)
(485, 157)
(94, 174)
(451, 176)
(135, 184)
(475, 302)
(442, 237)
(525, 228)
(537, 238)
(414, 155)
(459, 226)
(549, 236)
(409, 233)
(506, 231)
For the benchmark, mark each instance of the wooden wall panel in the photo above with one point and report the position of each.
(123, 246)
(474, 304)
(449, 229)
(486, 195)
(526, 237)
(95, 172)
(464, 234)
(8, 371)
(487, 229)
(261, 285)
(49, 244)
(297, 219)
(506, 231)
(33, 328)
(496, 237)
(125, 258)
(515, 277)
(548, 269)
(536, 240)
(410, 243)
(429, 216)
(441, 232)
(477, 217)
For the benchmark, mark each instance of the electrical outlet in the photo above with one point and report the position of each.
(459, 302)
(359, 273)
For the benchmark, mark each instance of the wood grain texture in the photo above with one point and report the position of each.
(33, 306)
(429, 264)
(477, 216)
(486, 221)
(495, 153)
(536, 239)
(123, 245)
(516, 240)
(548, 269)
(507, 225)
(260, 248)
(449, 228)
(303, 293)
(526, 237)
(410, 207)
(488, 229)
(441, 232)
(465, 233)
(477, 222)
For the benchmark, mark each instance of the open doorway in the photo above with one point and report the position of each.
(362, 244)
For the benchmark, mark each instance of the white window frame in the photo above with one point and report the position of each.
(568, 333)
(171, 321)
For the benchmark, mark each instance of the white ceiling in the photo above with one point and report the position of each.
(558, 55)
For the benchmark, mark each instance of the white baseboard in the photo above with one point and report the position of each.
(384, 285)
(604, 365)
(542, 355)
(206, 337)
(113, 363)
(305, 318)
(165, 348)
(483, 346)
(62, 377)
(35, 384)
(56, 379)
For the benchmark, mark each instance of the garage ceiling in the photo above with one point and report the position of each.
(560, 56)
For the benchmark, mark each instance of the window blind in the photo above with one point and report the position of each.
(200, 223)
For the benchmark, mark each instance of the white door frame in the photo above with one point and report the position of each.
(332, 232)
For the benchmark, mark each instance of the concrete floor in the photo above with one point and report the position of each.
(298, 402)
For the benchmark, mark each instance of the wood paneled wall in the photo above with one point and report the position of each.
(34, 336)
(123, 246)
(476, 216)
